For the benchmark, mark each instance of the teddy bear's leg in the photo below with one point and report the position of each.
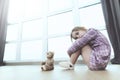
(52, 68)
(43, 68)
(43, 63)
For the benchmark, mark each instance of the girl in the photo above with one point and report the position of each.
(92, 45)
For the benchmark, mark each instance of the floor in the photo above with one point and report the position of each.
(81, 72)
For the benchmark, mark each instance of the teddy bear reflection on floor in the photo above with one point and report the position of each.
(49, 63)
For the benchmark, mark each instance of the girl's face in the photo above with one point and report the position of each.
(78, 34)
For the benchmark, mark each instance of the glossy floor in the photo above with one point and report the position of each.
(81, 72)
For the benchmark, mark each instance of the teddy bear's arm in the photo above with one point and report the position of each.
(43, 63)
(50, 62)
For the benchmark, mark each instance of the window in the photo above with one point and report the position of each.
(60, 24)
(10, 52)
(59, 45)
(38, 26)
(33, 9)
(31, 50)
(92, 17)
(32, 29)
(15, 11)
(57, 5)
(83, 3)
(12, 30)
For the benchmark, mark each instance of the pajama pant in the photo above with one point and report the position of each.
(99, 57)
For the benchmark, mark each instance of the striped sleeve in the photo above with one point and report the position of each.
(79, 43)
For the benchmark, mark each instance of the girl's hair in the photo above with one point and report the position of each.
(77, 28)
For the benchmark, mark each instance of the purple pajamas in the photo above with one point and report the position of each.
(101, 50)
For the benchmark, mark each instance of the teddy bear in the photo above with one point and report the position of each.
(49, 63)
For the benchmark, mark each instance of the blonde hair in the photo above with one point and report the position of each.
(77, 28)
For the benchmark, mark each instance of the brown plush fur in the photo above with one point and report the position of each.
(49, 63)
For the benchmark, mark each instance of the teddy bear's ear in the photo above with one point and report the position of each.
(51, 52)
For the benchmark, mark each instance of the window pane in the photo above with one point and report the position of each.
(57, 5)
(15, 11)
(60, 46)
(92, 17)
(28, 9)
(33, 8)
(59, 24)
(12, 32)
(31, 50)
(87, 2)
(10, 52)
(32, 29)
